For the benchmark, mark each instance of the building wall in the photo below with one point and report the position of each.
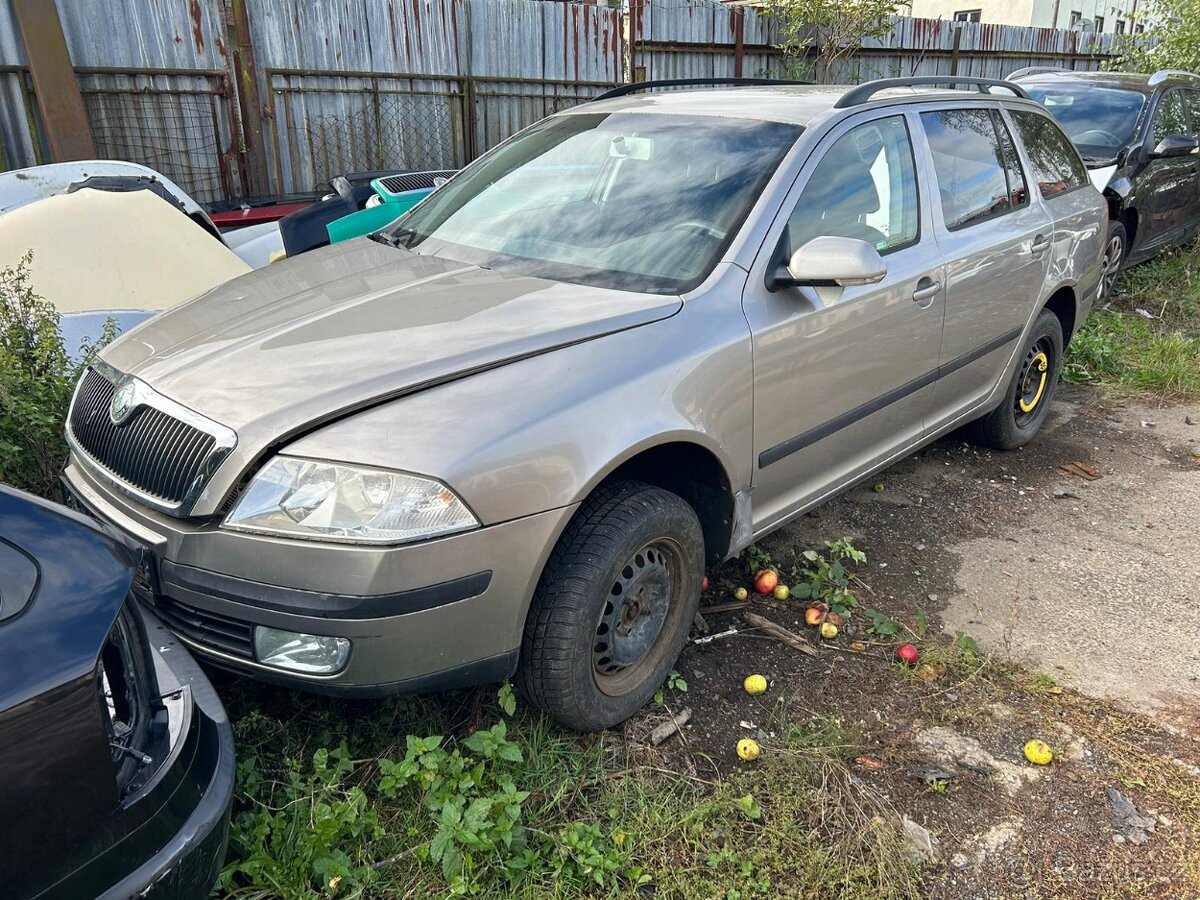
(1036, 13)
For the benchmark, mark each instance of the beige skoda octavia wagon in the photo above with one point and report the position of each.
(505, 435)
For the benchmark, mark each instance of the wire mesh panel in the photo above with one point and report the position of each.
(332, 123)
(176, 124)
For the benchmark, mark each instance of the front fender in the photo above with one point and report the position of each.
(540, 433)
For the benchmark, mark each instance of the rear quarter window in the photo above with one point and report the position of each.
(1053, 160)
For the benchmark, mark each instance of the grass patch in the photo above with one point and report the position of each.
(1122, 350)
(424, 798)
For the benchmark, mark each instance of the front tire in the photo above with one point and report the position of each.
(1116, 247)
(1026, 403)
(613, 606)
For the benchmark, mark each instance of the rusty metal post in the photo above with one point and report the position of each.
(64, 117)
(250, 106)
(739, 40)
(954, 50)
(636, 72)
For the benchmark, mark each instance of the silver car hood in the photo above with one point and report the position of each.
(278, 351)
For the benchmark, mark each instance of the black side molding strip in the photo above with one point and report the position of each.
(825, 429)
(321, 605)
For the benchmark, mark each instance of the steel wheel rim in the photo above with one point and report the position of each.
(1111, 265)
(1033, 381)
(632, 634)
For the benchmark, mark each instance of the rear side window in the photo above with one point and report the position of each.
(977, 180)
(1054, 160)
(864, 187)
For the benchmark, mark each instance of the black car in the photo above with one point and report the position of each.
(116, 757)
(1138, 137)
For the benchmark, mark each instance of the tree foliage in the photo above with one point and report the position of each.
(1171, 40)
(819, 35)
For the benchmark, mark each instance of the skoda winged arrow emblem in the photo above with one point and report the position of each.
(124, 402)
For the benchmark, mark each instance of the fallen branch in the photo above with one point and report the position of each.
(732, 606)
(672, 725)
(780, 633)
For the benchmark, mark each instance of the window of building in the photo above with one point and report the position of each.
(1099, 23)
(967, 15)
(865, 187)
(1076, 18)
(1138, 29)
(977, 180)
(1120, 27)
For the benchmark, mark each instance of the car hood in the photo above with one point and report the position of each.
(289, 347)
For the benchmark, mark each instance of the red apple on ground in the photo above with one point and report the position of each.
(704, 585)
(812, 617)
(908, 654)
(765, 581)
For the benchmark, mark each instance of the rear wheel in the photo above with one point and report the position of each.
(1027, 401)
(1115, 249)
(613, 606)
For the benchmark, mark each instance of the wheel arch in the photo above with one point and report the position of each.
(688, 467)
(1065, 306)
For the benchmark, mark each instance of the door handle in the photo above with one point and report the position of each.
(931, 290)
(1039, 245)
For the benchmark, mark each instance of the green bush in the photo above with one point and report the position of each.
(37, 377)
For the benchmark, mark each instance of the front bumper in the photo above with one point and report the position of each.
(186, 864)
(420, 617)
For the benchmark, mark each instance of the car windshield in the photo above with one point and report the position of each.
(1100, 120)
(633, 201)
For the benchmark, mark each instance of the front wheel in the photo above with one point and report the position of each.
(612, 609)
(1027, 401)
(1115, 249)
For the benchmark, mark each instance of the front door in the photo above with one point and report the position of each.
(1169, 189)
(996, 240)
(842, 375)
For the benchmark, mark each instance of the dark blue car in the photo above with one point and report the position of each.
(116, 757)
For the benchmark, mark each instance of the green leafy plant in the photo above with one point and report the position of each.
(37, 378)
(754, 559)
(305, 834)
(881, 624)
(674, 682)
(818, 37)
(824, 577)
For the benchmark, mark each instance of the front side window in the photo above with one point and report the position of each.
(864, 187)
(975, 180)
(632, 201)
(1170, 120)
(1056, 165)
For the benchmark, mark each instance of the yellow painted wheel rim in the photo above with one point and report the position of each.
(1038, 367)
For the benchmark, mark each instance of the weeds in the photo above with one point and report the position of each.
(37, 378)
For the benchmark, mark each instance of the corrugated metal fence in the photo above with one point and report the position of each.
(274, 97)
(709, 39)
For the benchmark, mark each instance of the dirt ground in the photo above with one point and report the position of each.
(1094, 582)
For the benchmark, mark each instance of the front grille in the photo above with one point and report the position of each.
(153, 451)
(207, 629)
(413, 181)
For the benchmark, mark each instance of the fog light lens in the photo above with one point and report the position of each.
(314, 654)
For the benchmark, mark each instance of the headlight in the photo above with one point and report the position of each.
(337, 502)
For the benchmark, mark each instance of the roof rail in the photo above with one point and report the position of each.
(865, 92)
(636, 86)
(1035, 70)
(1163, 74)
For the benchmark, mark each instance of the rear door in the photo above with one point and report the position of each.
(996, 242)
(842, 374)
(1058, 174)
(1169, 188)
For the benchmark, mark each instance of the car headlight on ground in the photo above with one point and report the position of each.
(308, 498)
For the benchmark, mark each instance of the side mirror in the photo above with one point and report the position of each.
(829, 260)
(1174, 145)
